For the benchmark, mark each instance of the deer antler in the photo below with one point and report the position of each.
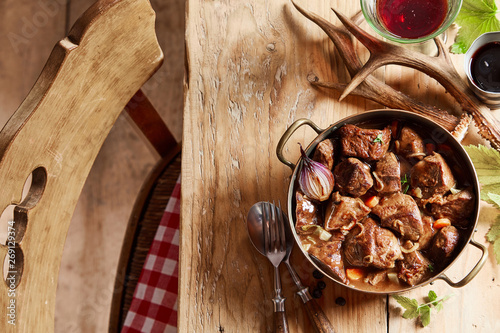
(383, 53)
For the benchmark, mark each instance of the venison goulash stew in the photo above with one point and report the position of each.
(398, 211)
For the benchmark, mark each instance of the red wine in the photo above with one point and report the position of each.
(485, 67)
(412, 18)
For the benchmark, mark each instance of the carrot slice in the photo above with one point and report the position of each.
(441, 223)
(371, 201)
(354, 273)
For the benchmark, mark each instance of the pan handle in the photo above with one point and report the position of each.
(473, 272)
(288, 133)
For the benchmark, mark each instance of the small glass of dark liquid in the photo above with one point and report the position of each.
(482, 66)
(410, 21)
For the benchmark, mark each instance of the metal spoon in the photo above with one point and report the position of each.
(314, 311)
(257, 216)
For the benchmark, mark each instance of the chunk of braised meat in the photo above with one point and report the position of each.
(400, 213)
(444, 244)
(307, 212)
(387, 174)
(457, 207)
(409, 144)
(376, 277)
(325, 153)
(428, 233)
(370, 245)
(329, 253)
(368, 144)
(343, 212)
(414, 268)
(431, 176)
(353, 177)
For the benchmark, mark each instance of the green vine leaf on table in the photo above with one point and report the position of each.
(487, 164)
(475, 18)
(414, 310)
(493, 235)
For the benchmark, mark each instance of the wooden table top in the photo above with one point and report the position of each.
(247, 64)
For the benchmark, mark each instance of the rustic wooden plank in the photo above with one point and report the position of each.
(100, 221)
(246, 82)
(113, 184)
(28, 32)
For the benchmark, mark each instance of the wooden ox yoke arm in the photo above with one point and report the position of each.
(55, 135)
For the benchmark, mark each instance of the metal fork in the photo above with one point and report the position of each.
(275, 250)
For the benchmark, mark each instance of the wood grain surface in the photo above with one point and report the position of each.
(247, 67)
(28, 32)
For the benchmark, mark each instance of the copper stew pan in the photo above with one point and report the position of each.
(438, 134)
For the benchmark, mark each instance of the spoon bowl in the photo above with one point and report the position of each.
(255, 227)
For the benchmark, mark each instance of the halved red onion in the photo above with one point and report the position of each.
(315, 180)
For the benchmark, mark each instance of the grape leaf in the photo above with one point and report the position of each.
(496, 249)
(493, 235)
(487, 164)
(475, 18)
(494, 232)
(495, 198)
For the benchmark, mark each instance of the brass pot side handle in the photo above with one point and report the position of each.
(288, 133)
(468, 278)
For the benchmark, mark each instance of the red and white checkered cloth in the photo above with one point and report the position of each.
(154, 305)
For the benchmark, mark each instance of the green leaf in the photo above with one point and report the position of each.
(495, 198)
(405, 302)
(493, 236)
(425, 315)
(494, 232)
(413, 310)
(439, 306)
(379, 139)
(458, 47)
(487, 164)
(496, 250)
(475, 18)
(432, 296)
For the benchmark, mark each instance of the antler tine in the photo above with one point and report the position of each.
(441, 51)
(365, 39)
(370, 66)
(394, 99)
(379, 53)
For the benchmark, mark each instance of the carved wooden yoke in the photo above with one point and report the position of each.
(55, 135)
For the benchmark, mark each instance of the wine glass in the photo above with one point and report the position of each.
(410, 21)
